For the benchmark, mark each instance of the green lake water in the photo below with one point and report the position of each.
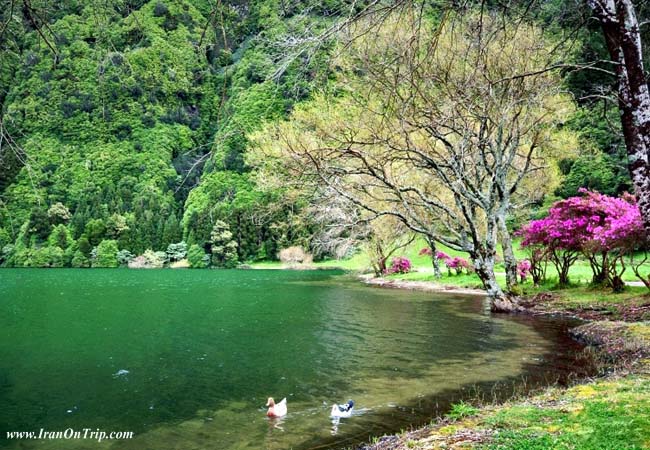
(204, 349)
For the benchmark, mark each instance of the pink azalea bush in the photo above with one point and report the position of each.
(600, 227)
(523, 269)
(399, 264)
(458, 264)
(455, 263)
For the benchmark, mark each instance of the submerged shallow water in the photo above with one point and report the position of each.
(186, 359)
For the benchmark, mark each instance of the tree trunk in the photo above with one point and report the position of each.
(484, 267)
(434, 261)
(600, 269)
(509, 260)
(621, 29)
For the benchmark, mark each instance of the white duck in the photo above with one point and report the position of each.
(343, 410)
(276, 409)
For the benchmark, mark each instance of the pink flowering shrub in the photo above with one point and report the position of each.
(602, 228)
(399, 264)
(442, 255)
(458, 264)
(523, 269)
(538, 258)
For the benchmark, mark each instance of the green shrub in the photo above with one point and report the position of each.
(197, 258)
(5, 239)
(47, 257)
(176, 252)
(80, 260)
(106, 254)
(224, 248)
(60, 237)
(7, 254)
(124, 257)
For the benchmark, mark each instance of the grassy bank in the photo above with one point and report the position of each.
(612, 413)
(580, 273)
(609, 412)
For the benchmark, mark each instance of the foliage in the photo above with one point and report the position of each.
(597, 173)
(79, 260)
(413, 95)
(197, 258)
(137, 124)
(148, 260)
(523, 269)
(223, 248)
(458, 264)
(294, 255)
(106, 255)
(46, 257)
(143, 103)
(176, 252)
(6, 253)
(461, 410)
(386, 237)
(124, 257)
(60, 237)
(58, 213)
(601, 227)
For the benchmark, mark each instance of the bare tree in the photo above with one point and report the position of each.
(439, 132)
(340, 226)
(621, 27)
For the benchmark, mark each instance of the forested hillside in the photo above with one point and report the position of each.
(130, 122)
(127, 123)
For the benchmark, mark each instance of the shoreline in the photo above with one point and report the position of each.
(621, 346)
(427, 286)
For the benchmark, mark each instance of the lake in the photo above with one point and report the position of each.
(186, 359)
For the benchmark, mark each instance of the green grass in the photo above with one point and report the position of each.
(607, 414)
(602, 415)
(579, 293)
(461, 410)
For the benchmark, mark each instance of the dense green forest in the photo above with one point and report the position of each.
(125, 125)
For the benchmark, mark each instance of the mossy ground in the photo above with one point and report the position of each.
(613, 413)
